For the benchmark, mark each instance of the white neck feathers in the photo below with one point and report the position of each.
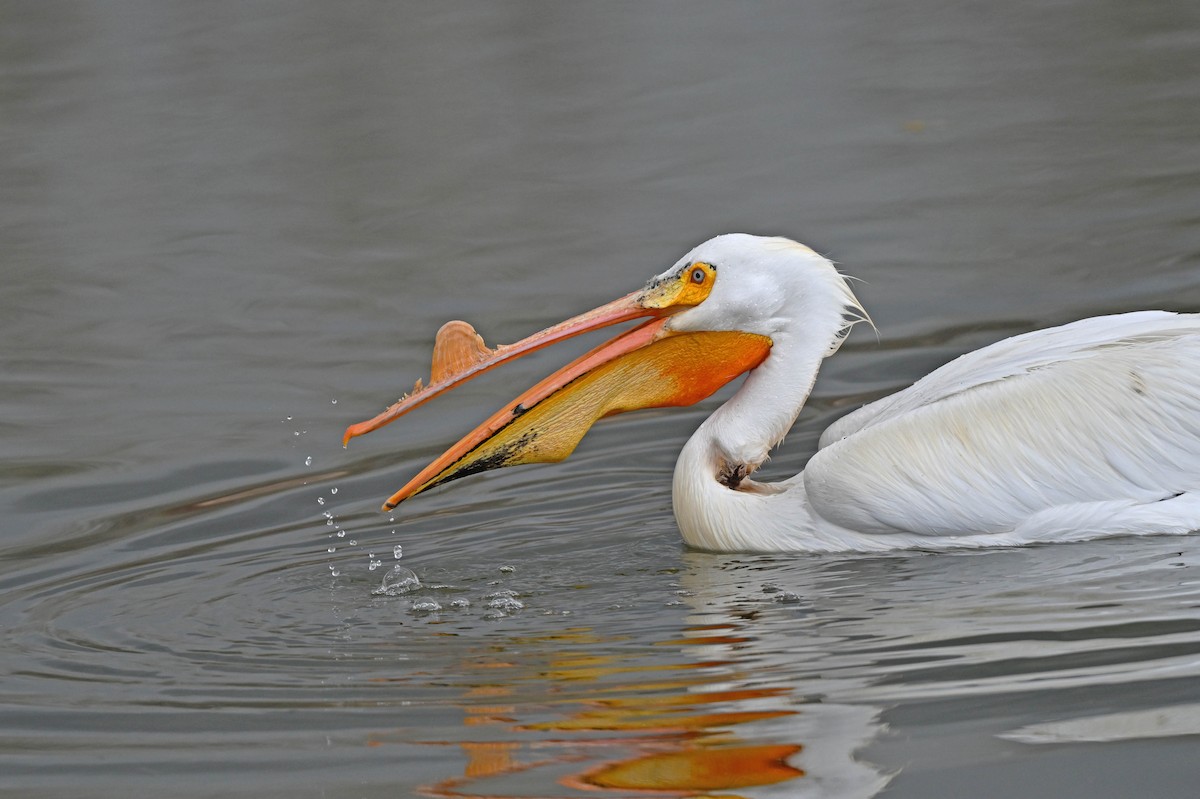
(809, 326)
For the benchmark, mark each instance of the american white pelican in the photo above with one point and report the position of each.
(1086, 430)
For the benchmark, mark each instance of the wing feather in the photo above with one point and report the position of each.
(1106, 409)
(1015, 356)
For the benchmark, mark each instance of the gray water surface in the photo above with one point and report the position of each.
(229, 230)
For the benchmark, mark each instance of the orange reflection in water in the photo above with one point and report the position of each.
(701, 769)
(688, 734)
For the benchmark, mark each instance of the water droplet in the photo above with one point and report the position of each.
(320, 500)
(341, 533)
(397, 551)
(508, 569)
(287, 419)
(390, 520)
(333, 490)
(308, 461)
(504, 601)
(333, 402)
(335, 572)
(332, 549)
(399, 580)
(374, 564)
(353, 543)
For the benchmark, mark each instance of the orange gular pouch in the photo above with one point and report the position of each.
(546, 423)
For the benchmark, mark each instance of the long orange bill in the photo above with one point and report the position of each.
(644, 367)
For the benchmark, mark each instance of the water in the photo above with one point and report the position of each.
(228, 231)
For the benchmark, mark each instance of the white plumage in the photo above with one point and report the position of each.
(1086, 430)
(1081, 431)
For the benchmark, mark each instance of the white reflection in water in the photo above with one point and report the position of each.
(1159, 722)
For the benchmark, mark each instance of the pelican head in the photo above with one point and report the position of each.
(771, 285)
(717, 313)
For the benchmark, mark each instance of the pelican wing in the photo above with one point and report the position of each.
(1014, 357)
(1099, 411)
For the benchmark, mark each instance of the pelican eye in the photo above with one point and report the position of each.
(684, 287)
